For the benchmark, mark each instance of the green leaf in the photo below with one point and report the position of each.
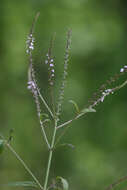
(22, 183)
(46, 120)
(44, 116)
(1, 146)
(75, 105)
(86, 110)
(64, 183)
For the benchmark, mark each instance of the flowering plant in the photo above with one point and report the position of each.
(55, 110)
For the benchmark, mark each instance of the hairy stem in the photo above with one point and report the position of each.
(25, 166)
(50, 156)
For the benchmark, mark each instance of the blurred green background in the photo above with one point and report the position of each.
(99, 50)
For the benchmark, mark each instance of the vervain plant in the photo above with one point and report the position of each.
(55, 110)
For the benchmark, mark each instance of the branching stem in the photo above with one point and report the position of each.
(93, 105)
(44, 102)
(24, 165)
(50, 156)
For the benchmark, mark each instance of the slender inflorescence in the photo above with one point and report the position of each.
(32, 83)
(32, 86)
(50, 62)
(66, 60)
(104, 91)
(30, 43)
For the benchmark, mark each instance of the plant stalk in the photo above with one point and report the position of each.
(44, 102)
(50, 156)
(25, 166)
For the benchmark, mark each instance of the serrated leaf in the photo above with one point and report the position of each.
(22, 184)
(75, 105)
(1, 146)
(64, 183)
(86, 110)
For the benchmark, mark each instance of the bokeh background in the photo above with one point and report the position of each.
(99, 50)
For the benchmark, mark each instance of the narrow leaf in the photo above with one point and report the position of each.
(43, 116)
(64, 183)
(86, 110)
(75, 105)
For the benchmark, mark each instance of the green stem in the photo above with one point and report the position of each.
(44, 134)
(50, 156)
(25, 166)
(44, 102)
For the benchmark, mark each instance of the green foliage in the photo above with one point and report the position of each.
(75, 105)
(87, 110)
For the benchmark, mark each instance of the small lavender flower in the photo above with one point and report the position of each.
(105, 93)
(32, 86)
(123, 69)
(50, 62)
(29, 43)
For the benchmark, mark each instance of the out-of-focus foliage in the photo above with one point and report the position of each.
(99, 46)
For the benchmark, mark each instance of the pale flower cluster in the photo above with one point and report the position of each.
(29, 43)
(106, 93)
(123, 69)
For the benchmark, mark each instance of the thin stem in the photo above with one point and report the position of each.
(25, 166)
(44, 134)
(120, 86)
(64, 124)
(50, 156)
(44, 102)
